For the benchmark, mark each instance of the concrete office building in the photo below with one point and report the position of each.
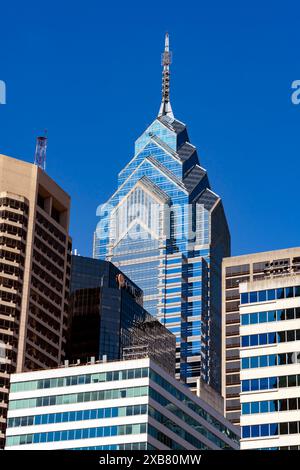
(115, 406)
(237, 269)
(107, 318)
(270, 363)
(34, 272)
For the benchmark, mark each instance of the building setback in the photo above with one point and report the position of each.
(34, 272)
(235, 270)
(270, 363)
(107, 318)
(166, 229)
(119, 405)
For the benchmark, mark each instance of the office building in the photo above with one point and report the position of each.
(166, 229)
(107, 318)
(238, 269)
(34, 272)
(270, 363)
(112, 406)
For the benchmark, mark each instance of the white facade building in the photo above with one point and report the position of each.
(270, 363)
(118, 405)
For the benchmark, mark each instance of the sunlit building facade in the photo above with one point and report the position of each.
(166, 229)
(120, 405)
(270, 363)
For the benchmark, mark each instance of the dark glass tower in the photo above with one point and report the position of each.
(166, 229)
(108, 319)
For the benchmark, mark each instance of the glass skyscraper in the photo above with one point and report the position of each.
(166, 229)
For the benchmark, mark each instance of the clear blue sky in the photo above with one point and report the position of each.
(89, 72)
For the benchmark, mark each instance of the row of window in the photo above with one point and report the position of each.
(81, 415)
(270, 338)
(270, 316)
(177, 429)
(75, 434)
(270, 406)
(127, 446)
(270, 360)
(80, 379)
(79, 397)
(274, 429)
(268, 383)
(270, 294)
(165, 385)
(191, 422)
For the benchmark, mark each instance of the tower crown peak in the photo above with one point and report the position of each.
(166, 60)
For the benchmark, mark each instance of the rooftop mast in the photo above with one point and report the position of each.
(166, 59)
(40, 151)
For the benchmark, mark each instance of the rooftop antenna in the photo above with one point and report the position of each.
(40, 151)
(166, 60)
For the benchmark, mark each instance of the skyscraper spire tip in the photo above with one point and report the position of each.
(166, 59)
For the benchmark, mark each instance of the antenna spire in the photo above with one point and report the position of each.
(166, 59)
(40, 151)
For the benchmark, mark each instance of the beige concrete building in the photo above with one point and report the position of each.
(35, 259)
(237, 270)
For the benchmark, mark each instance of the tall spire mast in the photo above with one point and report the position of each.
(166, 59)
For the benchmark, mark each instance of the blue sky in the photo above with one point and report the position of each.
(90, 73)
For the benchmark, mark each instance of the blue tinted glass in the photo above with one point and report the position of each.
(254, 361)
(297, 291)
(273, 429)
(271, 316)
(262, 317)
(280, 293)
(245, 408)
(263, 338)
(245, 363)
(244, 298)
(254, 384)
(273, 405)
(264, 430)
(245, 385)
(253, 297)
(245, 341)
(254, 431)
(271, 338)
(272, 360)
(289, 292)
(280, 315)
(246, 432)
(37, 419)
(254, 407)
(253, 318)
(273, 382)
(271, 294)
(44, 419)
(253, 340)
(93, 414)
(264, 384)
(263, 361)
(245, 319)
(262, 296)
(113, 430)
(264, 407)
